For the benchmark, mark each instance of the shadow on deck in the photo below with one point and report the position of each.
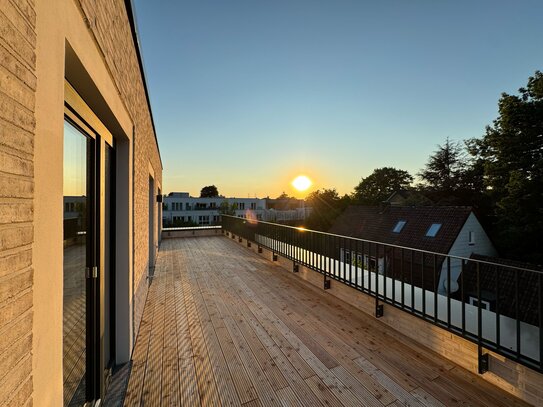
(223, 326)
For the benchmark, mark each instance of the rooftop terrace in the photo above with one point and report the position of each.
(224, 326)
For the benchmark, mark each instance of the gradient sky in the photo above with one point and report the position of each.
(248, 94)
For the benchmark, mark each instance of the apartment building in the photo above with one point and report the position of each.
(80, 172)
(181, 209)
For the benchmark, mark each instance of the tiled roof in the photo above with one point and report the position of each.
(503, 279)
(376, 223)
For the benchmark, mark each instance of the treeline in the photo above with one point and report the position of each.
(500, 175)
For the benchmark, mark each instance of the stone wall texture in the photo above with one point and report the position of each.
(17, 131)
(108, 21)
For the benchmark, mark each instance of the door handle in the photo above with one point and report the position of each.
(91, 272)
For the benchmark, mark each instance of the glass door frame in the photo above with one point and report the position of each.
(79, 114)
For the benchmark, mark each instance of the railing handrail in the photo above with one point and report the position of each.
(181, 228)
(419, 285)
(300, 229)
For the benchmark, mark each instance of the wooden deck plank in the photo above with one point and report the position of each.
(336, 386)
(390, 384)
(207, 388)
(360, 392)
(342, 353)
(140, 356)
(241, 379)
(401, 370)
(322, 391)
(222, 325)
(152, 386)
(426, 399)
(233, 306)
(288, 398)
(225, 385)
(170, 371)
(188, 385)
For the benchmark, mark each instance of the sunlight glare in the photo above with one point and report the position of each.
(301, 183)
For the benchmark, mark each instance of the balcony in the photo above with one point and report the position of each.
(223, 325)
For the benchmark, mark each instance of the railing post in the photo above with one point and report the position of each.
(482, 357)
(482, 360)
(379, 309)
(326, 283)
(295, 267)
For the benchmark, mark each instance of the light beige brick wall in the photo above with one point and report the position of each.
(109, 23)
(17, 124)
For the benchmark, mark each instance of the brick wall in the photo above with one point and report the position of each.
(109, 23)
(17, 124)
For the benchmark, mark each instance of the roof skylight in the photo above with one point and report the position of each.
(432, 230)
(399, 226)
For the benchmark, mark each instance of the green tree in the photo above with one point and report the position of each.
(380, 184)
(326, 205)
(512, 156)
(454, 177)
(209, 191)
(284, 195)
(444, 168)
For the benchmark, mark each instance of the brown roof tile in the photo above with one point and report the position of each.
(377, 223)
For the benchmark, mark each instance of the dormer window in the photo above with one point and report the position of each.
(399, 226)
(432, 230)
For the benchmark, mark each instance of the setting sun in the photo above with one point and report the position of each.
(301, 183)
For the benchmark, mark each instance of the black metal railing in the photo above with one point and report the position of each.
(497, 306)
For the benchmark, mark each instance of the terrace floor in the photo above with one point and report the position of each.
(223, 326)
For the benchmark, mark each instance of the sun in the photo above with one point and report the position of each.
(301, 183)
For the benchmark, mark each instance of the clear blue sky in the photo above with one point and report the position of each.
(248, 94)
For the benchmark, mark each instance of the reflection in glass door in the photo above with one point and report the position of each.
(76, 258)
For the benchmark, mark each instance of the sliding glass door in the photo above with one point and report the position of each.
(89, 254)
(77, 258)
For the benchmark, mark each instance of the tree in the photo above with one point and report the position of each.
(443, 170)
(284, 195)
(512, 155)
(380, 184)
(326, 205)
(210, 191)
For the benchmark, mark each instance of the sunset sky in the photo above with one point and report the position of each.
(247, 95)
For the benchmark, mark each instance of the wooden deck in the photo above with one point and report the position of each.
(222, 326)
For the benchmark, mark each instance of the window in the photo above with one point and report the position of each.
(347, 256)
(432, 230)
(203, 220)
(471, 237)
(253, 205)
(399, 226)
(484, 304)
(187, 206)
(200, 205)
(241, 205)
(370, 263)
(212, 204)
